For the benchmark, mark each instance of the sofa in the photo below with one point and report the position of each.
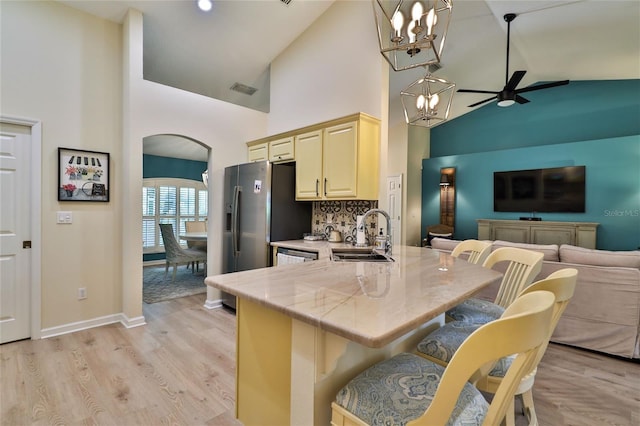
(604, 313)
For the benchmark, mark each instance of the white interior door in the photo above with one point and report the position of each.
(394, 203)
(15, 253)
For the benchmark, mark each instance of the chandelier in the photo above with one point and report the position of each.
(412, 33)
(427, 101)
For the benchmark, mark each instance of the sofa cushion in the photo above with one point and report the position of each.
(550, 251)
(584, 256)
(444, 243)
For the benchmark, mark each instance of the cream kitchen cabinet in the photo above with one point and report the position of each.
(281, 150)
(258, 152)
(339, 161)
(308, 148)
(335, 160)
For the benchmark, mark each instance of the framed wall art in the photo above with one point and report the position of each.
(83, 175)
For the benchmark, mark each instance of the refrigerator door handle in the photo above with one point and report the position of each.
(235, 221)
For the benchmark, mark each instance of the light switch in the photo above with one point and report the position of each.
(65, 217)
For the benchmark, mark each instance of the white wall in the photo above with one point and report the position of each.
(65, 68)
(333, 69)
(62, 67)
(156, 109)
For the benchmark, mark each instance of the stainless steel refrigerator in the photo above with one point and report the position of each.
(259, 207)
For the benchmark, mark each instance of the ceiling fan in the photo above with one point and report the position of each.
(509, 94)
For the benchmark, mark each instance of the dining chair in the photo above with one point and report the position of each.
(477, 250)
(410, 390)
(441, 345)
(176, 255)
(196, 226)
(522, 266)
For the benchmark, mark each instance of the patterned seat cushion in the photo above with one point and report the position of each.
(400, 389)
(445, 341)
(476, 311)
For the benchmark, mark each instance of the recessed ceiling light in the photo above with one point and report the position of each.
(205, 5)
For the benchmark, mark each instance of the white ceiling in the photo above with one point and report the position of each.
(207, 53)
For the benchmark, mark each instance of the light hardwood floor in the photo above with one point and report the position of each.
(179, 369)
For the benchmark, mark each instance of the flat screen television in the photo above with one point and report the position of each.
(552, 190)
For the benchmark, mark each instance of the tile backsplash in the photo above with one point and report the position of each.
(341, 216)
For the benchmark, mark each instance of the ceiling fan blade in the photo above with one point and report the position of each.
(481, 102)
(543, 86)
(514, 80)
(521, 100)
(476, 91)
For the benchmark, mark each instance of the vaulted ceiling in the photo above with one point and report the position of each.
(207, 53)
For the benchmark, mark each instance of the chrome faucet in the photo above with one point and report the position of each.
(387, 246)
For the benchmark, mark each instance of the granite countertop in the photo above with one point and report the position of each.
(367, 302)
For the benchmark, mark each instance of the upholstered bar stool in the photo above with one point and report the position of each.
(477, 251)
(441, 345)
(408, 389)
(522, 268)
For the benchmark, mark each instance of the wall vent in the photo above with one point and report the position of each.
(286, 1)
(243, 88)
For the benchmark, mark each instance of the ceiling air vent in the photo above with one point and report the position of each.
(434, 67)
(243, 88)
(286, 1)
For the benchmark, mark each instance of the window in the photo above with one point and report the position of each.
(169, 200)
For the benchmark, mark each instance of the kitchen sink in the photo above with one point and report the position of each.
(358, 255)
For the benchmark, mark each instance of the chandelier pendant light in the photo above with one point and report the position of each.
(427, 101)
(412, 33)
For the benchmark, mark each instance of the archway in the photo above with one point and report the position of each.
(172, 168)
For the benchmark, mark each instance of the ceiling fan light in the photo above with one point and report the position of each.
(506, 98)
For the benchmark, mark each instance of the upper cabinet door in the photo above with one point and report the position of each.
(340, 158)
(308, 148)
(258, 152)
(281, 150)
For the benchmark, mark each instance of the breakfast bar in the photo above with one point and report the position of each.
(304, 330)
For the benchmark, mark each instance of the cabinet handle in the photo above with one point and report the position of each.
(317, 184)
(325, 187)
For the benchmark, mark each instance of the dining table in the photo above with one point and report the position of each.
(304, 330)
(193, 236)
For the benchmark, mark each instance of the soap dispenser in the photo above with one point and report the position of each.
(381, 241)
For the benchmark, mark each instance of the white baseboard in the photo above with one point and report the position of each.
(95, 322)
(132, 322)
(213, 304)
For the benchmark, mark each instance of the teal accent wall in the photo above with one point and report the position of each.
(154, 166)
(579, 111)
(595, 124)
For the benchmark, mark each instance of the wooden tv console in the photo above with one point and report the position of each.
(582, 234)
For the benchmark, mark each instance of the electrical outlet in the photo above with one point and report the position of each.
(82, 293)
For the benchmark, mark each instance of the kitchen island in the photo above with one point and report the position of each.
(304, 330)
